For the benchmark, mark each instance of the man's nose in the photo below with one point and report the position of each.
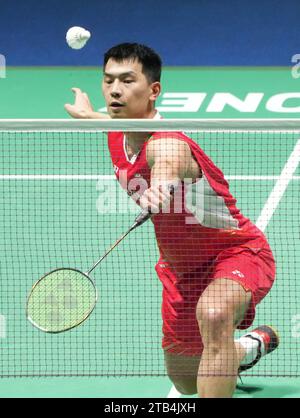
(116, 89)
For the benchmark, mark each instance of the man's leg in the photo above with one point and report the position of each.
(220, 309)
(183, 370)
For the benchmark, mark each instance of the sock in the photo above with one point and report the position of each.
(251, 347)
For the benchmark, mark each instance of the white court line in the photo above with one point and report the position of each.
(270, 207)
(2, 326)
(279, 189)
(112, 177)
(56, 177)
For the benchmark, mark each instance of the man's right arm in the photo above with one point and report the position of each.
(82, 107)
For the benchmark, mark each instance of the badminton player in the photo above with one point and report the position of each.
(215, 265)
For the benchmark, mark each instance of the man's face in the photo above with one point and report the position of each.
(127, 92)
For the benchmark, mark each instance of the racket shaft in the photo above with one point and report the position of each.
(139, 220)
(108, 251)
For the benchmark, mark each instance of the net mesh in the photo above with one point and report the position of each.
(61, 206)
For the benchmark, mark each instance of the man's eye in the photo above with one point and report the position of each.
(108, 81)
(128, 81)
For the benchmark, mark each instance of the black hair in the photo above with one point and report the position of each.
(150, 60)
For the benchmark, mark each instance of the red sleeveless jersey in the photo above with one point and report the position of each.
(203, 219)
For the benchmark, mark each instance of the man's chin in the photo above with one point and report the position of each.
(117, 114)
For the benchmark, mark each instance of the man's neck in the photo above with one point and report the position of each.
(135, 140)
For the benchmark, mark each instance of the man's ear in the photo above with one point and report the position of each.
(155, 90)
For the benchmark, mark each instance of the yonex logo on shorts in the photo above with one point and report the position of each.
(238, 273)
(2, 66)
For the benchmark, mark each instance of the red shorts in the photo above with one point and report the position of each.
(253, 268)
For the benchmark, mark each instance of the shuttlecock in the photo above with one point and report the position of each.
(77, 37)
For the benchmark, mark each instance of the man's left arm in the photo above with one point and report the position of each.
(170, 160)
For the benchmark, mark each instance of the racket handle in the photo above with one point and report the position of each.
(142, 217)
(146, 214)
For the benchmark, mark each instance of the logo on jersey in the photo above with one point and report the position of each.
(238, 273)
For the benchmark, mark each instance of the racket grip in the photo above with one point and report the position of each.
(146, 214)
(142, 217)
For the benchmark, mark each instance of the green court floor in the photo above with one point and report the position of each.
(150, 387)
(49, 223)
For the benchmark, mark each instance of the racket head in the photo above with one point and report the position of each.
(61, 300)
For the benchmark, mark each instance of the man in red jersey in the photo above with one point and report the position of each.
(215, 265)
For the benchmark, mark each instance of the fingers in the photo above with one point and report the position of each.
(87, 99)
(155, 199)
(75, 111)
(76, 90)
(69, 108)
(79, 92)
(82, 107)
(79, 96)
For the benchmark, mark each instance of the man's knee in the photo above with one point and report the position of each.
(214, 321)
(221, 308)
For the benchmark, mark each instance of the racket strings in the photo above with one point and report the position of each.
(61, 300)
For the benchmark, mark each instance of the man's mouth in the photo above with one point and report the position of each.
(116, 105)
